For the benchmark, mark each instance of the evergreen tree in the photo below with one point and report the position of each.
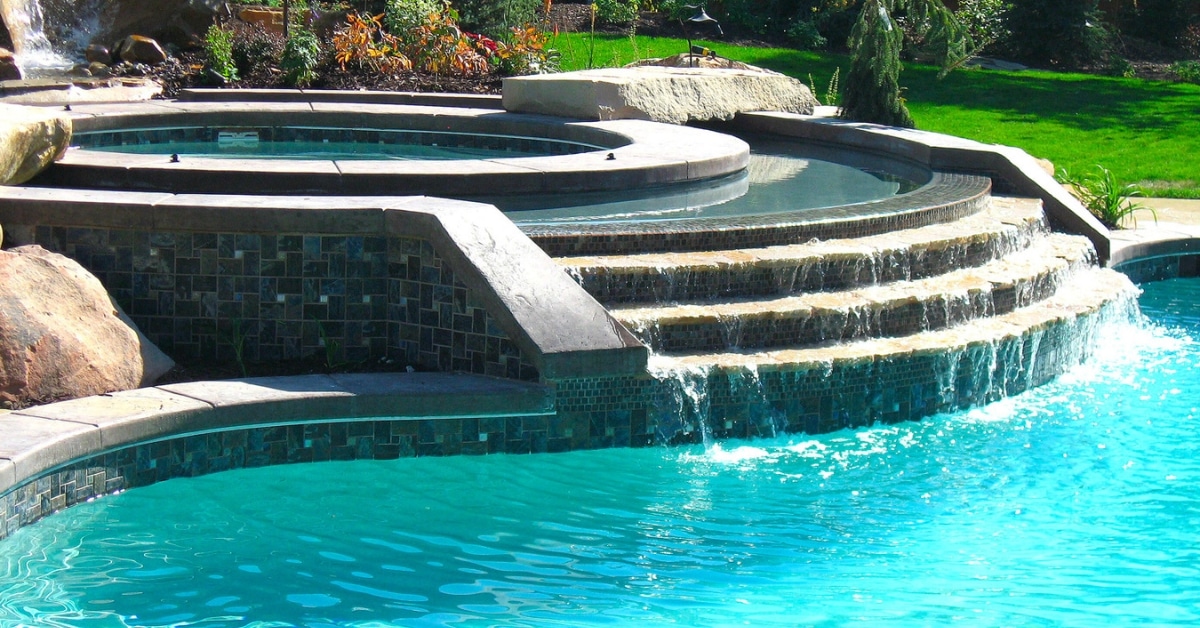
(872, 87)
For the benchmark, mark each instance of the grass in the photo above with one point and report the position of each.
(1145, 132)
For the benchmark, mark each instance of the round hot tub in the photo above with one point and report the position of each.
(377, 149)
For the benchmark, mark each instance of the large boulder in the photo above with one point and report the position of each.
(30, 138)
(62, 336)
(663, 94)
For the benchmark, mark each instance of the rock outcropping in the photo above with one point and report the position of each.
(62, 336)
(663, 94)
(30, 138)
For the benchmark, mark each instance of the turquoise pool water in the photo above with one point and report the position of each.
(312, 142)
(1075, 505)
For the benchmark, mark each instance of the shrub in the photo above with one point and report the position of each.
(439, 46)
(983, 20)
(1116, 65)
(616, 11)
(1187, 71)
(496, 17)
(1160, 21)
(1189, 40)
(254, 49)
(218, 51)
(364, 43)
(1105, 198)
(803, 34)
(301, 54)
(526, 51)
(1063, 33)
(401, 16)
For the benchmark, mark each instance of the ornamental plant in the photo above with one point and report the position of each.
(364, 43)
(218, 51)
(1106, 198)
(301, 54)
(439, 46)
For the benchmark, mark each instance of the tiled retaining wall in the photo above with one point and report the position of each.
(196, 295)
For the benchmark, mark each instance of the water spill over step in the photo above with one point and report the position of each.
(1007, 225)
(893, 309)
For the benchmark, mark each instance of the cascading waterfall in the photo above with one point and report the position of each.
(683, 406)
(49, 39)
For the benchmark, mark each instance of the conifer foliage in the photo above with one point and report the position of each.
(872, 87)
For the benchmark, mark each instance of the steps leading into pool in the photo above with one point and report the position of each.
(819, 335)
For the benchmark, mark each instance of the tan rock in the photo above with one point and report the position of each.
(139, 49)
(663, 94)
(9, 70)
(30, 138)
(97, 53)
(62, 336)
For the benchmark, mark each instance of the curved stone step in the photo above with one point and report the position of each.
(839, 385)
(947, 196)
(1007, 225)
(891, 309)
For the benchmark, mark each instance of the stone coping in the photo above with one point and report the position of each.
(551, 318)
(35, 441)
(635, 153)
(1012, 169)
(1164, 240)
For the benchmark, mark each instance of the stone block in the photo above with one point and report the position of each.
(661, 94)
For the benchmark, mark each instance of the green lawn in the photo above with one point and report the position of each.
(1146, 132)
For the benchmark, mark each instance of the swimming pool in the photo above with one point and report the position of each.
(1074, 504)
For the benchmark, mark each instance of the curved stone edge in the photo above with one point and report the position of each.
(1012, 169)
(1165, 240)
(642, 153)
(548, 315)
(946, 197)
(36, 441)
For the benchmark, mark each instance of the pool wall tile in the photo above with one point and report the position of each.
(196, 295)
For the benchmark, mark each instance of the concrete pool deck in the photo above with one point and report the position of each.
(1175, 233)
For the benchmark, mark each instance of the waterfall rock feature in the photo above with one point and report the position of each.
(30, 138)
(62, 336)
(70, 25)
(662, 94)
